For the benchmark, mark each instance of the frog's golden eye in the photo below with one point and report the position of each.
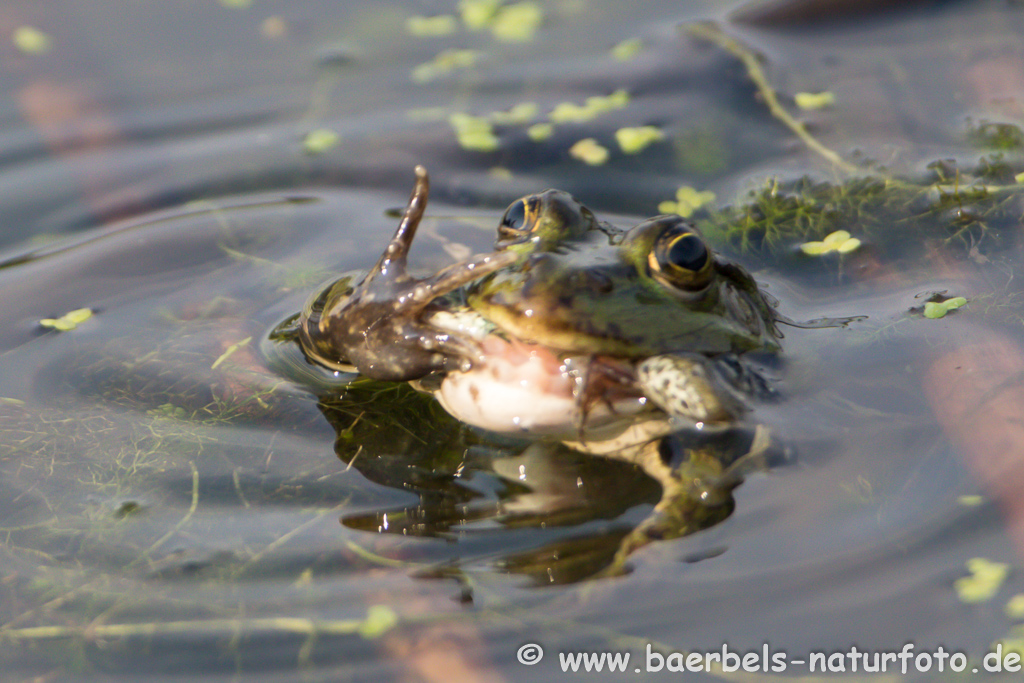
(687, 252)
(681, 259)
(513, 223)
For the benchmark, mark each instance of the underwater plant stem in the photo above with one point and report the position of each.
(751, 61)
(216, 626)
(188, 515)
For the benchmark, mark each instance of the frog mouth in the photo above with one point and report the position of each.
(516, 387)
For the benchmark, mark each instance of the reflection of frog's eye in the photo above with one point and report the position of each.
(514, 220)
(681, 259)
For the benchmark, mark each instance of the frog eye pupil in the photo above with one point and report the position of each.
(688, 252)
(515, 217)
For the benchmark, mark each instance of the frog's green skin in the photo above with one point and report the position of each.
(651, 308)
(584, 287)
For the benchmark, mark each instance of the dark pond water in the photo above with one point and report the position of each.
(171, 508)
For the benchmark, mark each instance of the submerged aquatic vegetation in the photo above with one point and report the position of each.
(800, 211)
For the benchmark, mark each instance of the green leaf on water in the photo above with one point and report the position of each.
(320, 140)
(634, 140)
(379, 620)
(31, 41)
(984, 582)
(809, 101)
(838, 241)
(425, 27)
(939, 309)
(627, 49)
(69, 320)
(589, 151)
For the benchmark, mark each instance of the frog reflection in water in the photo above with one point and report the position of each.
(572, 330)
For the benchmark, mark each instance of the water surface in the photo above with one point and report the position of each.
(170, 508)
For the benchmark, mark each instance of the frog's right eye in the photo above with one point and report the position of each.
(680, 259)
(515, 217)
(513, 223)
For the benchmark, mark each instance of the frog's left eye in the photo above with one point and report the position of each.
(680, 258)
(513, 222)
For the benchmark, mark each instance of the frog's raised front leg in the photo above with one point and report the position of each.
(382, 325)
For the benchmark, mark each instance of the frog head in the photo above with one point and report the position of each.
(584, 287)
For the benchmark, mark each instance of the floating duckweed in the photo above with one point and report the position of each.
(474, 132)
(617, 100)
(570, 112)
(687, 201)
(31, 40)
(627, 49)
(634, 140)
(425, 27)
(236, 4)
(939, 309)
(524, 112)
(477, 14)
(517, 23)
(445, 62)
(838, 241)
(1014, 608)
(589, 151)
(810, 101)
(984, 582)
(69, 320)
(320, 140)
(540, 131)
(1015, 644)
(970, 501)
(1019, 177)
(11, 401)
(379, 620)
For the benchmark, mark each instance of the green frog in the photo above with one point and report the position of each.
(571, 327)
(627, 343)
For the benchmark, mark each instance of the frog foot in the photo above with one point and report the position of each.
(383, 326)
(696, 489)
